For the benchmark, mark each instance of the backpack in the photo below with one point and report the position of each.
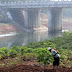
(56, 51)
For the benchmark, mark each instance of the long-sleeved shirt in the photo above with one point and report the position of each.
(54, 53)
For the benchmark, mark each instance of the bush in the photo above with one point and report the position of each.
(5, 50)
(16, 48)
(26, 50)
(13, 53)
(43, 55)
(2, 53)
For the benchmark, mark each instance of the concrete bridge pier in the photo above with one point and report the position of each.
(17, 15)
(55, 20)
(32, 18)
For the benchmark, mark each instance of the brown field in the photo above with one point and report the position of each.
(32, 66)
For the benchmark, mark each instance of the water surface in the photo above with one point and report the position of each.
(25, 38)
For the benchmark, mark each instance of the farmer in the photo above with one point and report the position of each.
(55, 55)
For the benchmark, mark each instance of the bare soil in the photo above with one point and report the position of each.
(31, 65)
(33, 68)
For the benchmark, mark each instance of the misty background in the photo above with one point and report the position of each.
(21, 36)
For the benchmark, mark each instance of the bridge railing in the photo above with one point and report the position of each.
(34, 4)
(45, 1)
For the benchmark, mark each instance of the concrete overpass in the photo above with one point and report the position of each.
(28, 13)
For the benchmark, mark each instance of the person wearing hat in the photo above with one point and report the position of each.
(55, 55)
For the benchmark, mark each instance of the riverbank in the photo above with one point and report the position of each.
(10, 29)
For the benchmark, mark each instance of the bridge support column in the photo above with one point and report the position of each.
(55, 20)
(32, 18)
(17, 16)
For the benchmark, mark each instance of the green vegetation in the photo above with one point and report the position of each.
(38, 50)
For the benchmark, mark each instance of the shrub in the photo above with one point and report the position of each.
(12, 53)
(43, 55)
(5, 50)
(16, 48)
(2, 53)
(26, 50)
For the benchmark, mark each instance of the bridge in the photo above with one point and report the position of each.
(32, 4)
(27, 14)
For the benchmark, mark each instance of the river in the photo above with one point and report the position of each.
(20, 39)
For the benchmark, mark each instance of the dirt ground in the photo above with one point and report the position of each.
(30, 68)
(25, 65)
